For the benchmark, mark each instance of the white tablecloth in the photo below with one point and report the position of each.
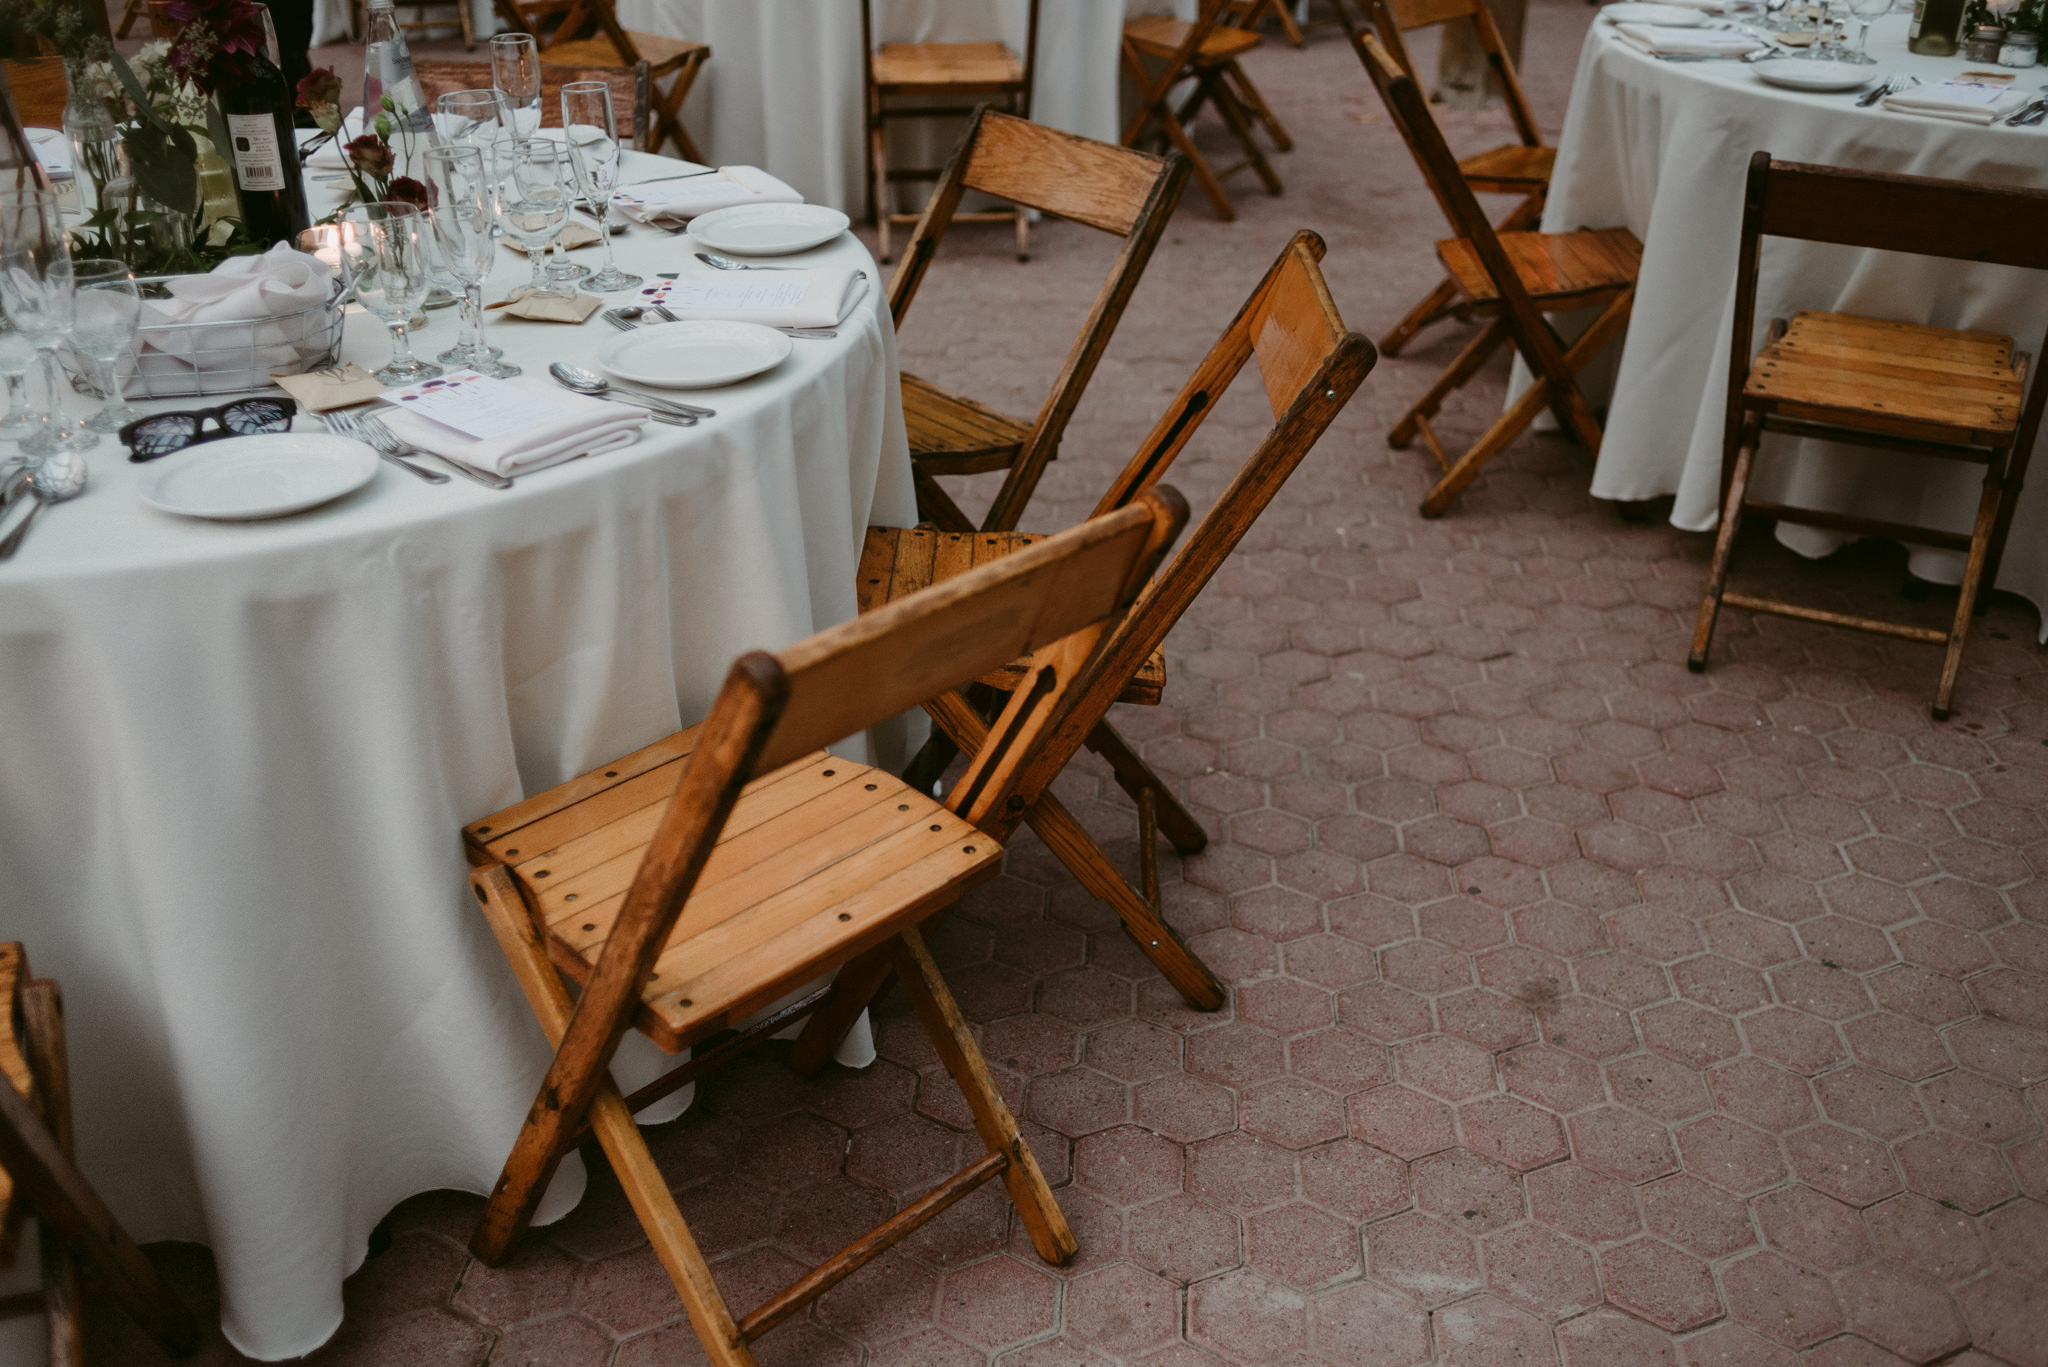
(1663, 148)
(239, 755)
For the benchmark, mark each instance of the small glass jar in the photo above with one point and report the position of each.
(2021, 49)
(1983, 43)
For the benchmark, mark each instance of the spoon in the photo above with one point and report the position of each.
(59, 477)
(726, 263)
(598, 387)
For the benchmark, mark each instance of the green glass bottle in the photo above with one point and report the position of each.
(1937, 27)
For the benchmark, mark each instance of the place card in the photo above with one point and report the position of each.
(732, 291)
(549, 306)
(478, 406)
(336, 386)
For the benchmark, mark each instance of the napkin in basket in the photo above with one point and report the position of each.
(554, 427)
(1662, 40)
(817, 297)
(677, 201)
(1981, 97)
(239, 317)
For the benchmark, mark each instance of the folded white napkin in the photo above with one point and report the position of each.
(1960, 99)
(678, 201)
(53, 149)
(587, 427)
(816, 297)
(246, 317)
(1661, 40)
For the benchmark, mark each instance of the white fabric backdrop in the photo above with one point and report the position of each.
(1663, 148)
(239, 756)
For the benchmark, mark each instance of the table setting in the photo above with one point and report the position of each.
(1661, 145)
(454, 556)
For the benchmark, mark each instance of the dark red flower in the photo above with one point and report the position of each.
(370, 155)
(320, 89)
(406, 190)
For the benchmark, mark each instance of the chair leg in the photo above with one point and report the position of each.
(1136, 778)
(646, 1189)
(1177, 134)
(1724, 549)
(1075, 848)
(1036, 1207)
(1476, 354)
(1491, 443)
(1435, 305)
(1236, 118)
(42, 1010)
(1023, 233)
(853, 991)
(1252, 100)
(1988, 512)
(878, 162)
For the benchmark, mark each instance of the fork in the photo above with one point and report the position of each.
(1892, 85)
(347, 425)
(384, 439)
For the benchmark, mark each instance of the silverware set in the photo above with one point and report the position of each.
(60, 476)
(2031, 114)
(628, 316)
(372, 432)
(1891, 85)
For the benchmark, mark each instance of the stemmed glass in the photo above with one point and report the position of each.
(533, 196)
(471, 118)
(386, 252)
(593, 137)
(459, 185)
(17, 358)
(37, 292)
(1865, 11)
(515, 75)
(109, 312)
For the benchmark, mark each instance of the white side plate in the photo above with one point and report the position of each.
(1800, 73)
(239, 479)
(694, 354)
(1670, 16)
(768, 229)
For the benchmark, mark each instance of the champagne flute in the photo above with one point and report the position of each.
(461, 224)
(593, 137)
(17, 358)
(109, 312)
(387, 250)
(515, 75)
(1865, 11)
(38, 294)
(534, 196)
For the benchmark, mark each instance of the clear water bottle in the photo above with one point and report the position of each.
(388, 75)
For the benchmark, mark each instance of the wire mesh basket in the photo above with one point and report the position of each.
(184, 360)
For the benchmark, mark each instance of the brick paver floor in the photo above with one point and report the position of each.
(1583, 1010)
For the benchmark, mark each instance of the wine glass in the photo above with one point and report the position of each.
(1865, 11)
(593, 137)
(388, 261)
(109, 312)
(515, 75)
(17, 358)
(471, 118)
(534, 196)
(37, 292)
(459, 184)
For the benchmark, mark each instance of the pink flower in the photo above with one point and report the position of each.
(320, 88)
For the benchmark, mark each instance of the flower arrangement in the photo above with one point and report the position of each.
(369, 157)
(2014, 16)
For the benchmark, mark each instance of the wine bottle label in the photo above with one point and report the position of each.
(259, 163)
(1919, 17)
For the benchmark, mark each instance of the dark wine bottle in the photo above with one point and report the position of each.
(258, 109)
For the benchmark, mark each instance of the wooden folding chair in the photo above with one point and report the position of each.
(1310, 365)
(1894, 386)
(1111, 189)
(1519, 168)
(1512, 280)
(587, 33)
(1249, 14)
(922, 73)
(1159, 52)
(420, 23)
(696, 882)
(39, 1177)
(631, 90)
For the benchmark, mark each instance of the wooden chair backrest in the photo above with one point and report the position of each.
(2001, 225)
(630, 85)
(1310, 364)
(1054, 602)
(1391, 18)
(40, 90)
(1209, 16)
(1114, 189)
(562, 21)
(1410, 111)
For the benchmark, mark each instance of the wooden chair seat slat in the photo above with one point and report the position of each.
(1947, 385)
(1161, 35)
(958, 68)
(947, 430)
(658, 50)
(1509, 169)
(1558, 270)
(886, 573)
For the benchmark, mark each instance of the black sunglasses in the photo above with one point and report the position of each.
(159, 434)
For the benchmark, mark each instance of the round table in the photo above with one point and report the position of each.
(239, 756)
(1663, 148)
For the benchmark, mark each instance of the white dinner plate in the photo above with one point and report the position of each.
(239, 479)
(694, 354)
(1670, 16)
(1801, 73)
(768, 229)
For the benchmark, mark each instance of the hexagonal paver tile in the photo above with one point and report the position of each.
(1301, 1246)
(1910, 1315)
(1484, 1330)
(1608, 1338)
(1540, 1271)
(1241, 1171)
(1182, 1108)
(1852, 1168)
(1467, 1188)
(1654, 1281)
(1622, 1144)
(1583, 1203)
(1511, 1130)
(1402, 1121)
(1128, 1165)
(1813, 1229)
(1184, 1238)
(1366, 1324)
(1423, 1256)
(1355, 1180)
(1122, 1309)
(1292, 1113)
(1781, 1300)
(1447, 1067)
(997, 1302)
(1249, 1316)
(1730, 1154)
